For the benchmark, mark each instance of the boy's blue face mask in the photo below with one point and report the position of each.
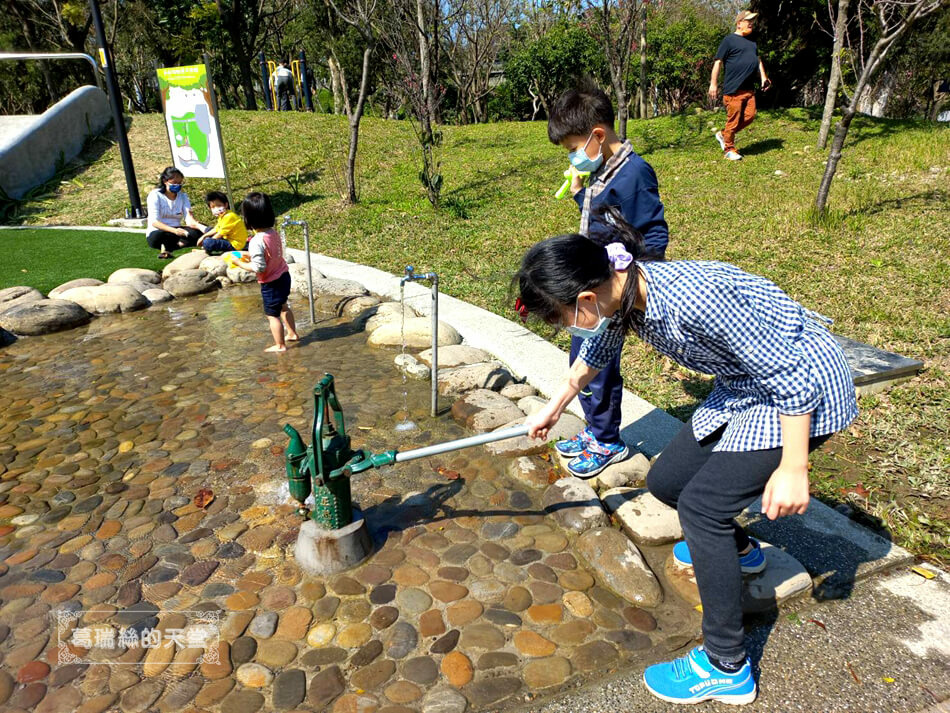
(587, 333)
(581, 161)
(174, 187)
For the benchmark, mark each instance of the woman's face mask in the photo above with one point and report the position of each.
(588, 332)
(582, 162)
(174, 187)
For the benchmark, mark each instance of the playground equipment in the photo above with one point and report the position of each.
(298, 68)
(335, 537)
(433, 280)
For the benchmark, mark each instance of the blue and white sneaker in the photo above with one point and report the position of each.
(575, 446)
(752, 562)
(693, 679)
(596, 457)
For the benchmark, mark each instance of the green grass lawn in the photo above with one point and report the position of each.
(878, 265)
(46, 258)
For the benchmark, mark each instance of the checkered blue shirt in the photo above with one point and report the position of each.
(769, 354)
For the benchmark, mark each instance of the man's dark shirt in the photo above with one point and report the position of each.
(741, 60)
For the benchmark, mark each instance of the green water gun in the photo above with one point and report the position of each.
(569, 174)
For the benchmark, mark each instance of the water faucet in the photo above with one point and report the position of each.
(290, 221)
(411, 276)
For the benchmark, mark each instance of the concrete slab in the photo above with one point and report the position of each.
(643, 426)
(12, 127)
(836, 551)
(874, 369)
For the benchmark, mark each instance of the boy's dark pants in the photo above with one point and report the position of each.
(601, 399)
(708, 491)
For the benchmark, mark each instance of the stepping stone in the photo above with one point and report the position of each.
(455, 355)
(575, 505)
(783, 579)
(632, 471)
(620, 566)
(874, 370)
(43, 317)
(490, 375)
(566, 427)
(55, 293)
(645, 519)
(106, 299)
(484, 410)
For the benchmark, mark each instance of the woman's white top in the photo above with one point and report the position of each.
(170, 212)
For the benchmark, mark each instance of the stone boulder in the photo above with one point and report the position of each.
(418, 334)
(629, 472)
(530, 404)
(43, 316)
(134, 276)
(353, 307)
(15, 296)
(189, 282)
(487, 375)
(387, 312)
(645, 519)
(298, 277)
(239, 276)
(331, 286)
(784, 578)
(484, 410)
(456, 355)
(106, 299)
(410, 366)
(515, 391)
(530, 471)
(157, 295)
(56, 292)
(567, 426)
(214, 266)
(575, 505)
(620, 566)
(188, 261)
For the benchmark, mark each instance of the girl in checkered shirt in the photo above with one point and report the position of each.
(782, 388)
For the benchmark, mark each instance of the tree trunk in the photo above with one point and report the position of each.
(355, 118)
(424, 72)
(831, 96)
(335, 86)
(642, 91)
(247, 84)
(622, 112)
(841, 132)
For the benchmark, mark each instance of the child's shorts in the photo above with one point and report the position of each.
(216, 245)
(275, 294)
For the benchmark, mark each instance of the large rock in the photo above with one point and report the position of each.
(157, 295)
(486, 375)
(629, 472)
(239, 276)
(418, 334)
(331, 286)
(567, 426)
(484, 410)
(55, 293)
(575, 505)
(106, 299)
(620, 566)
(456, 355)
(191, 260)
(353, 307)
(387, 312)
(189, 282)
(15, 296)
(43, 317)
(783, 578)
(530, 404)
(533, 472)
(645, 519)
(214, 266)
(518, 391)
(298, 277)
(134, 276)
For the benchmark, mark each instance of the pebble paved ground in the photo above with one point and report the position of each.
(473, 600)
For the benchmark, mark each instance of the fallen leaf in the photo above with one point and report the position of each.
(887, 679)
(818, 623)
(203, 498)
(553, 476)
(853, 674)
(925, 573)
(449, 474)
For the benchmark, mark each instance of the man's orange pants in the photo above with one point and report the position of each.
(740, 111)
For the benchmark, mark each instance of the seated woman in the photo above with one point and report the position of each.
(170, 224)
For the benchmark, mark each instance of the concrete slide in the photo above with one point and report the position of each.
(31, 147)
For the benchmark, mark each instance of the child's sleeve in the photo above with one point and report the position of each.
(258, 255)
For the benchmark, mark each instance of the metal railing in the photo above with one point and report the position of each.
(56, 55)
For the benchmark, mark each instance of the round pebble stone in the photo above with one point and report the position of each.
(400, 639)
(213, 692)
(325, 608)
(353, 610)
(608, 619)
(403, 692)
(375, 674)
(499, 530)
(29, 696)
(579, 604)
(409, 575)
(562, 560)
(462, 612)
(503, 617)
(289, 689)
(321, 635)
(517, 599)
(488, 591)
(278, 597)
(520, 500)
(545, 593)
(594, 656)
(368, 653)
(346, 586)
(497, 659)
(444, 700)
(383, 617)
(453, 574)
(140, 696)
(457, 668)
(390, 557)
(216, 589)
(413, 601)
(242, 701)
(639, 619)
(33, 671)
(354, 636)
(530, 643)
(316, 658)
(293, 623)
(383, 594)
(482, 636)
(495, 551)
(445, 643)
(357, 703)
(373, 575)
(313, 590)
(421, 669)
(254, 675)
(48, 576)
(547, 672)
(243, 649)
(431, 623)
(542, 572)
(577, 580)
(629, 640)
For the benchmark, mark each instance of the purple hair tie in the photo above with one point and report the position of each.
(619, 257)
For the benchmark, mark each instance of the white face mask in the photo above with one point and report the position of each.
(218, 211)
(585, 332)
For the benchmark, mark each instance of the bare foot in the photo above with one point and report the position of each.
(276, 349)
(294, 337)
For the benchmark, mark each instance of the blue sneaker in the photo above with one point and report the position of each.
(693, 679)
(752, 562)
(596, 457)
(575, 446)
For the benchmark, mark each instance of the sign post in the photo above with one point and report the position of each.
(191, 119)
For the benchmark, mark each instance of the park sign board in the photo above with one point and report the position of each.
(191, 119)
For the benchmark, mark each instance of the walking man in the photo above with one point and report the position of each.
(283, 82)
(739, 55)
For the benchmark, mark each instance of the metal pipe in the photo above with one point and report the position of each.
(56, 55)
(457, 445)
(306, 247)
(433, 278)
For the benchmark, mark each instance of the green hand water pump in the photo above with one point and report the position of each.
(325, 466)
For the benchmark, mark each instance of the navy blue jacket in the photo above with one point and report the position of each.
(635, 191)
